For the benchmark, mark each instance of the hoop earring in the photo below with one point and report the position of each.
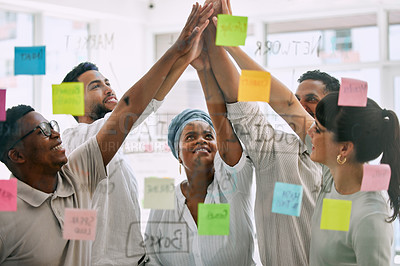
(340, 161)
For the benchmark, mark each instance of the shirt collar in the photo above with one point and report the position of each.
(35, 197)
(306, 146)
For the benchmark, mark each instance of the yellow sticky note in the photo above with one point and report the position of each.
(254, 86)
(336, 215)
(159, 193)
(231, 30)
(68, 98)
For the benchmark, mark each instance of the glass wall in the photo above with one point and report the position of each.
(16, 29)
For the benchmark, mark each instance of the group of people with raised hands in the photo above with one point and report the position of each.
(218, 152)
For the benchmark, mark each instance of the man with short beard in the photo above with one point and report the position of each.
(118, 195)
(118, 236)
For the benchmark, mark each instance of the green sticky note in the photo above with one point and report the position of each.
(231, 30)
(68, 98)
(336, 215)
(213, 219)
(254, 86)
(159, 193)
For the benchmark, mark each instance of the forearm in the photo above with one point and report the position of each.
(224, 70)
(132, 104)
(174, 74)
(228, 144)
(282, 100)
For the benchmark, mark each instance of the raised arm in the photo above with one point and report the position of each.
(228, 144)
(282, 100)
(181, 64)
(135, 100)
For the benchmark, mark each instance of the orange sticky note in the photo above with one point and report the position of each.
(80, 224)
(336, 214)
(254, 86)
(8, 195)
(375, 177)
(353, 92)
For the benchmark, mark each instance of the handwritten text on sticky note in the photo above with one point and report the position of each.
(376, 177)
(254, 86)
(68, 98)
(336, 214)
(80, 224)
(159, 193)
(30, 60)
(287, 199)
(213, 219)
(2, 105)
(8, 195)
(353, 92)
(231, 30)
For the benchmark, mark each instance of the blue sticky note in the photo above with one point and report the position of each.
(30, 60)
(287, 199)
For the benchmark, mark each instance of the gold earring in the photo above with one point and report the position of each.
(180, 169)
(339, 159)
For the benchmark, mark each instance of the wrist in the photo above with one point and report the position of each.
(175, 51)
(231, 49)
(203, 70)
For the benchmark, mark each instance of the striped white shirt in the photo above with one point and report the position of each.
(277, 157)
(115, 199)
(171, 235)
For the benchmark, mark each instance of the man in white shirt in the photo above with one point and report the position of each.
(118, 234)
(116, 199)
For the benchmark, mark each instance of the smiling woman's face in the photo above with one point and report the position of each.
(197, 146)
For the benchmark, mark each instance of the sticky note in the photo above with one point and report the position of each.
(2, 105)
(68, 98)
(254, 86)
(375, 177)
(287, 199)
(336, 215)
(353, 92)
(159, 193)
(30, 60)
(231, 30)
(213, 219)
(80, 224)
(8, 195)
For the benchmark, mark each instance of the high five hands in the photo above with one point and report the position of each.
(189, 42)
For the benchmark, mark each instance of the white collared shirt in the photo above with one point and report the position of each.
(230, 185)
(277, 157)
(118, 211)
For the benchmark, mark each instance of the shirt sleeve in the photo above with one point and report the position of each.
(2, 251)
(372, 241)
(85, 165)
(234, 178)
(74, 137)
(152, 107)
(260, 139)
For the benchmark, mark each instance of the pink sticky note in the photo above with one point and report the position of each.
(2, 105)
(353, 92)
(376, 177)
(80, 224)
(8, 195)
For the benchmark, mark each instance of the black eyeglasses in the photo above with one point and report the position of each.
(45, 128)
